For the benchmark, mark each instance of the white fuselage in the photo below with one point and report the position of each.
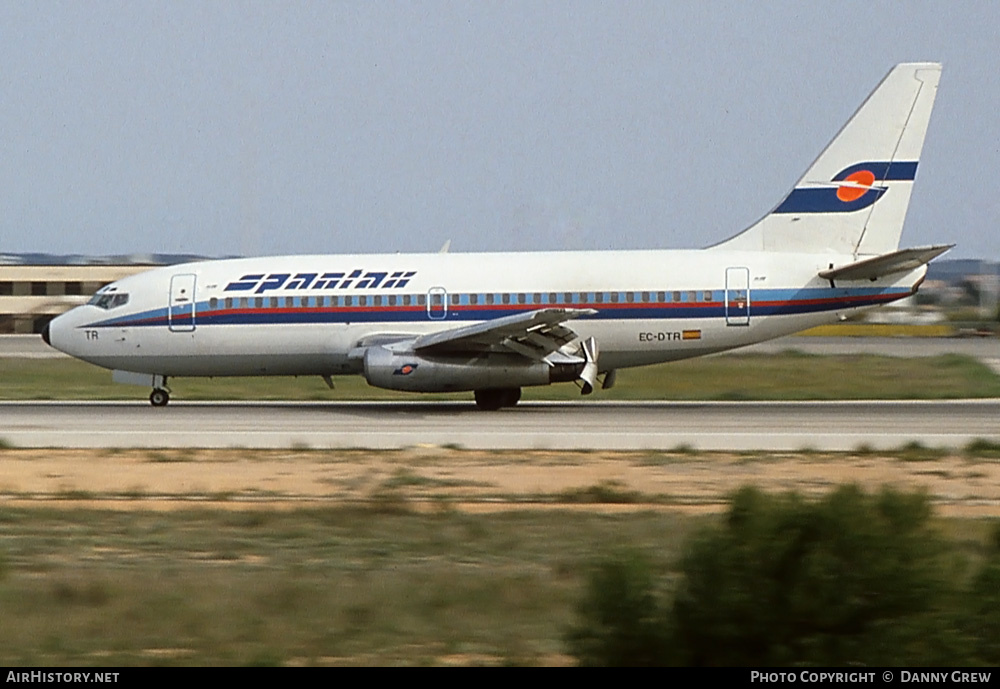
(308, 315)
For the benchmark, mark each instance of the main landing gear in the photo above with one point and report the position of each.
(161, 393)
(495, 398)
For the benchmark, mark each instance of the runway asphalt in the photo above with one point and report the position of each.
(737, 426)
(584, 425)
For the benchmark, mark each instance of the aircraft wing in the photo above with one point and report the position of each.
(886, 264)
(534, 334)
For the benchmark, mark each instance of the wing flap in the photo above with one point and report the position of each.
(900, 261)
(540, 332)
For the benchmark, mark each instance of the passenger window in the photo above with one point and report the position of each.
(707, 296)
(676, 296)
(692, 296)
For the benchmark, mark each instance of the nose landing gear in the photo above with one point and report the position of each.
(159, 398)
(161, 393)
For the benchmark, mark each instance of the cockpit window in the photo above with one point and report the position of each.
(109, 300)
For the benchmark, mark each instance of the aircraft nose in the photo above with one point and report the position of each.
(58, 333)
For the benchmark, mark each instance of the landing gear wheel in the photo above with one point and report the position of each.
(159, 398)
(495, 398)
(489, 400)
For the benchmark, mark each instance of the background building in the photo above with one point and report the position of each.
(35, 288)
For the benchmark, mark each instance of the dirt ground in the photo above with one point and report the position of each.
(434, 477)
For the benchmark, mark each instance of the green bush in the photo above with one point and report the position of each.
(621, 621)
(983, 620)
(852, 579)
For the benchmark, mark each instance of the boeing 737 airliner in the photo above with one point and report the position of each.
(494, 323)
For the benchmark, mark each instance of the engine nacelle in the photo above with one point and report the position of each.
(411, 372)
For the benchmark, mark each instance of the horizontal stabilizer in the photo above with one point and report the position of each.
(878, 266)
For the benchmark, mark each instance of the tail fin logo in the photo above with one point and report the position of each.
(854, 189)
(860, 182)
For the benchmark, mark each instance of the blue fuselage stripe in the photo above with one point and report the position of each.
(763, 302)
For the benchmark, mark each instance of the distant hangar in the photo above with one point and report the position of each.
(35, 288)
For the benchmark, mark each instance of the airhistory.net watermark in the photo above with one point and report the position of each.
(62, 677)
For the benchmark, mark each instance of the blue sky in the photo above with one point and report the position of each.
(331, 127)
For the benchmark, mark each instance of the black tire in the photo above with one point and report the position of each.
(159, 398)
(512, 397)
(496, 398)
(489, 400)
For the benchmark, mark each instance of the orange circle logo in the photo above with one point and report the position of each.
(865, 178)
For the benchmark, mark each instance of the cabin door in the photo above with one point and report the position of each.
(437, 303)
(181, 311)
(737, 296)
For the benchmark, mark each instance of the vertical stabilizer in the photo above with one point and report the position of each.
(853, 198)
